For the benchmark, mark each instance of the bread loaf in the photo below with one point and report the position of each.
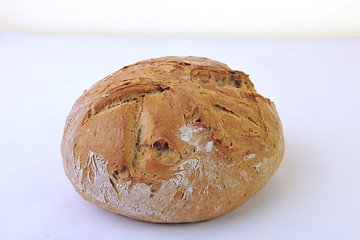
(172, 139)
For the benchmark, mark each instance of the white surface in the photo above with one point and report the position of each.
(211, 18)
(314, 83)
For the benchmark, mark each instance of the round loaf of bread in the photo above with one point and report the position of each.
(172, 139)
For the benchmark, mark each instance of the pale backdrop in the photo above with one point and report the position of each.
(221, 18)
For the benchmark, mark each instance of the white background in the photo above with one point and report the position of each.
(314, 83)
(211, 18)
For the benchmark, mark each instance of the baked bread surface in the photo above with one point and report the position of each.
(172, 139)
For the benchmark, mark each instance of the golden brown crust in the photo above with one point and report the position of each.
(173, 139)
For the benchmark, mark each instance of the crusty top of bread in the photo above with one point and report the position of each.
(150, 117)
